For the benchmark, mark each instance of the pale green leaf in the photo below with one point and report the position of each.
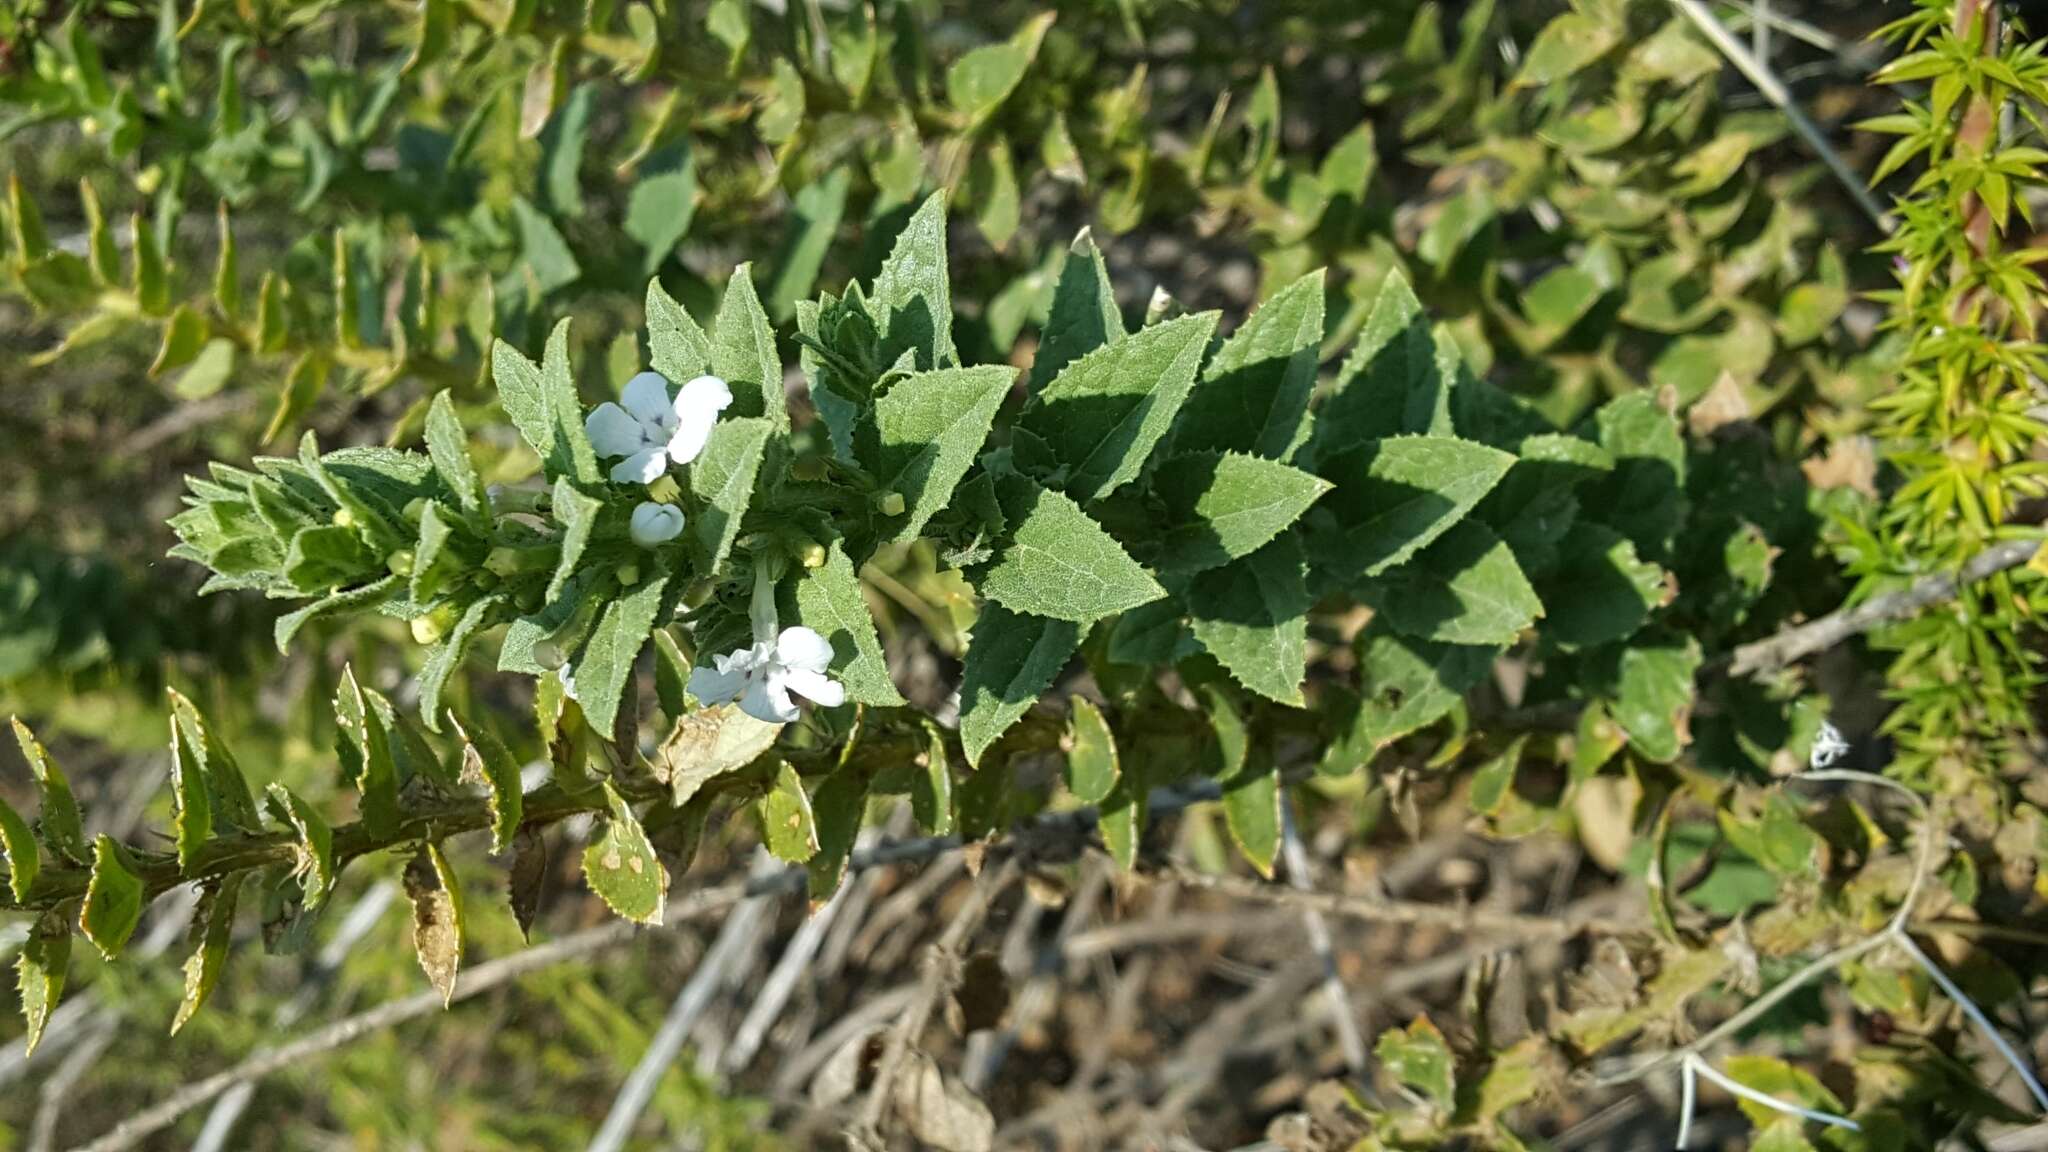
(1252, 615)
(1394, 497)
(722, 480)
(1092, 766)
(1011, 660)
(1253, 396)
(606, 661)
(929, 429)
(912, 302)
(620, 865)
(1219, 507)
(830, 603)
(1464, 589)
(788, 825)
(743, 352)
(1060, 563)
(1083, 316)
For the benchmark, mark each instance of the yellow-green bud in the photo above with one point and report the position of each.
(343, 518)
(814, 555)
(89, 125)
(149, 180)
(508, 561)
(890, 503)
(429, 629)
(664, 490)
(628, 574)
(400, 562)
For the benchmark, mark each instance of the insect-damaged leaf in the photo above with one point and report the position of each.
(213, 929)
(436, 899)
(620, 865)
(788, 824)
(113, 898)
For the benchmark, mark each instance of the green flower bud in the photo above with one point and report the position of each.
(628, 574)
(890, 503)
(400, 562)
(343, 518)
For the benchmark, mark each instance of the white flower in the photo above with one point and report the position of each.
(655, 523)
(762, 677)
(568, 676)
(649, 429)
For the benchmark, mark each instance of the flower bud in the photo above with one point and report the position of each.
(628, 574)
(890, 503)
(814, 556)
(343, 518)
(429, 629)
(654, 523)
(665, 489)
(401, 562)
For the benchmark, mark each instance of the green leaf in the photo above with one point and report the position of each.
(912, 303)
(62, 830)
(743, 352)
(661, 206)
(1060, 563)
(1407, 684)
(1092, 768)
(979, 82)
(1644, 497)
(561, 145)
(542, 403)
(929, 429)
(1394, 497)
(788, 826)
(545, 256)
(446, 656)
(677, 347)
(227, 788)
(815, 212)
(191, 799)
(342, 602)
(671, 674)
(1394, 359)
(606, 661)
(363, 745)
(1251, 786)
(448, 447)
(1464, 589)
(837, 806)
(1565, 45)
(1121, 821)
(41, 968)
(213, 922)
(1108, 407)
(1652, 690)
(113, 898)
(1252, 615)
(18, 845)
(1599, 592)
(1083, 317)
(485, 758)
(209, 370)
(931, 787)
(1254, 394)
(621, 866)
(315, 864)
(1222, 507)
(431, 889)
(1011, 660)
(830, 603)
(722, 480)
(577, 513)
(1419, 1057)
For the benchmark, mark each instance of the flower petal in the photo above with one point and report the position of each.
(714, 686)
(613, 432)
(768, 701)
(814, 686)
(653, 523)
(646, 397)
(801, 647)
(696, 410)
(644, 466)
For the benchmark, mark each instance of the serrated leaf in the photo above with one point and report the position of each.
(1394, 359)
(446, 656)
(788, 826)
(1394, 497)
(743, 352)
(1652, 691)
(18, 845)
(1252, 615)
(486, 758)
(1011, 660)
(577, 513)
(430, 886)
(1083, 316)
(40, 970)
(1419, 1057)
(542, 403)
(1058, 562)
(912, 303)
(830, 603)
(671, 674)
(620, 865)
(1407, 684)
(722, 480)
(677, 346)
(1599, 592)
(1254, 394)
(979, 81)
(1464, 589)
(606, 661)
(708, 743)
(1222, 507)
(227, 787)
(1644, 497)
(837, 805)
(315, 863)
(62, 830)
(364, 748)
(1107, 408)
(528, 873)
(191, 803)
(929, 428)
(1092, 766)
(448, 447)
(1121, 820)
(213, 930)
(343, 602)
(113, 898)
